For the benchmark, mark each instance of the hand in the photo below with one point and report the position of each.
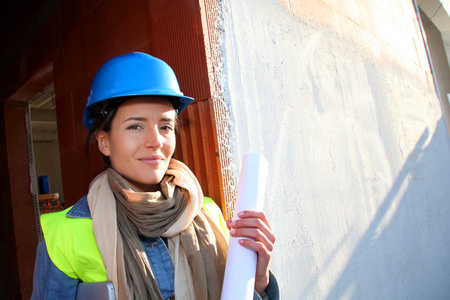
(254, 225)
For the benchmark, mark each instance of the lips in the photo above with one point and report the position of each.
(152, 159)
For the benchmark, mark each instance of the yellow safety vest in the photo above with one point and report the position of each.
(72, 247)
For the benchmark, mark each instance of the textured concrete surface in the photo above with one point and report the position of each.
(340, 100)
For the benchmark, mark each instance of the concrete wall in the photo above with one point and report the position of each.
(340, 100)
(436, 46)
(438, 11)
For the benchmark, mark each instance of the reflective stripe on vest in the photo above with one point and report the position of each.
(73, 249)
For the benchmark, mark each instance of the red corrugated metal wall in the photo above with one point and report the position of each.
(170, 30)
(67, 43)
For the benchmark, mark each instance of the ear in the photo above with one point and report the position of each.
(102, 138)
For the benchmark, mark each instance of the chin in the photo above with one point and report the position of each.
(154, 180)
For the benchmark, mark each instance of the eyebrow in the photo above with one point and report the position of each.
(145, 119)
(135, 119)
(167, 120)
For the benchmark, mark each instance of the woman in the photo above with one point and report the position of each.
(144, 224)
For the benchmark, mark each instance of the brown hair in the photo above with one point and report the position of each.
(103, 115)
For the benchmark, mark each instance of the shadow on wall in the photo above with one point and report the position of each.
(405, 251)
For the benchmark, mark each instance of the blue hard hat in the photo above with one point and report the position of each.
(133, 74)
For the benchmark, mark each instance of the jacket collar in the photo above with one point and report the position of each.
(80, 209)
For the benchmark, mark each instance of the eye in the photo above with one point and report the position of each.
(134, 127)
(166, 127)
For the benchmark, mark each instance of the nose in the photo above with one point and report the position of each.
(153, 139)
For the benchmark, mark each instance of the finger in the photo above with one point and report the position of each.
(255, 223)
(264, 254)
(254, 214)
(253, 234)
(229, 224)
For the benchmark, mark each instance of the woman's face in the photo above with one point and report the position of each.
(141, 141)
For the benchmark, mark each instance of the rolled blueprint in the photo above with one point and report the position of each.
(239, 279)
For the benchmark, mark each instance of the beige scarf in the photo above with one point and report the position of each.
(196, 244)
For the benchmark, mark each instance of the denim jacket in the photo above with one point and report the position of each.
(51, 283)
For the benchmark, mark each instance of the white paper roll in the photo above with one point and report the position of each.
(239, 279)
